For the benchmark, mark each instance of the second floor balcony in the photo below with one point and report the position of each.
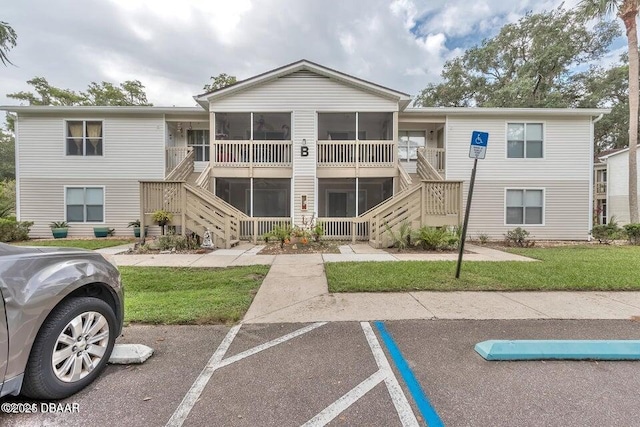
(356, 154)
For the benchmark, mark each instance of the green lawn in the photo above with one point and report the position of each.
(84, 244)
(585, 268)
(163, 295)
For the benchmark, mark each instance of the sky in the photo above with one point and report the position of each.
(174, 47)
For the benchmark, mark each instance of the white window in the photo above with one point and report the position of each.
(524, 207)
(408, 144)
(524, 140)
(85, 204)
(84, 138)
(199, 140)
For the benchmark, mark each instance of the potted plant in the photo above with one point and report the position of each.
(103, 231)
(59, 229)
(136, 228)
(162, 218)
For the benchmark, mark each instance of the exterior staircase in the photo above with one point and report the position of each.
(423, 199)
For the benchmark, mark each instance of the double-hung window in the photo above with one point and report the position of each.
(84, 138)
(85, 204)
(199, 140)
(524, 206)
(524, 140)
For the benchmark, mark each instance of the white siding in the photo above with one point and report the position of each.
(618, 187)
(133, 147)
(566, 216)
(304, 94)
(133, 150)
(564, 172)
(42, 201)
(566, 149)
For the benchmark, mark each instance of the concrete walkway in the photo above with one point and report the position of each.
(247, 254)
(296, 290)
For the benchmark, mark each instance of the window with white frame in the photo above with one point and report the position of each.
(84, 138)
(85, 204)
(199, 140)
(524, 206)
(524, 140)
(408, 143)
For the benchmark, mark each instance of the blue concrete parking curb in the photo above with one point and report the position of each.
(559, 349)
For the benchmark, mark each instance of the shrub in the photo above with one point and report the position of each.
(7, 198)
(12, 230)
(633, 233)
(606, 233)
(483, 238)
(401, 239)
(281, 233)
(177, 242)
(436, 238)
(317, 231)
(519, 237)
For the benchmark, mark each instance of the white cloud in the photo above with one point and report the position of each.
(174, 47)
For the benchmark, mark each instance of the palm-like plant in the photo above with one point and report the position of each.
(627, 11)
(8, 39)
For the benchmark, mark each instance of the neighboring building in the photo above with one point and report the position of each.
(300, 141)
(615, 172)
(599, 193)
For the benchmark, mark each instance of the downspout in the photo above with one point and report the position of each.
(591, 173)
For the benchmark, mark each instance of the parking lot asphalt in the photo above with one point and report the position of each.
(333, 373)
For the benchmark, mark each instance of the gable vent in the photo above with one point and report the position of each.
(303, 74)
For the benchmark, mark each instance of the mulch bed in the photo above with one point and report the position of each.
(322, 247)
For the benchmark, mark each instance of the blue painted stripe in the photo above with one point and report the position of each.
(424, 406)
(559, 349)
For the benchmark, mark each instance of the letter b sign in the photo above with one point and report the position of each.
(304, 151)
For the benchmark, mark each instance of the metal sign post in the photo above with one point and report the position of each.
(477, 150)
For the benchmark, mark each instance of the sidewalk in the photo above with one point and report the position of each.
(296, 290)
(247, 254)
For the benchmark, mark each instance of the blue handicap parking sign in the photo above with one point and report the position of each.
(479, 142)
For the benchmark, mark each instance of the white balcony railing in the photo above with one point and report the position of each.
(356, 153)
(251, 153)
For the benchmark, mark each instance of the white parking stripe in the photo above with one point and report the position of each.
(216, 362)
(269, 344)
(333, 410)
(407, 417)
(200, 383)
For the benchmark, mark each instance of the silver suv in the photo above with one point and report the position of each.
(61, 310)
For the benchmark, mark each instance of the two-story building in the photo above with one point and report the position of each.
(298, 142)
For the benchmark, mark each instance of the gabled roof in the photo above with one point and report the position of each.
(305, 65)
(615, 152)
(100, 109)
(491, 111)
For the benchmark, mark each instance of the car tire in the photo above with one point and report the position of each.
(78, 363)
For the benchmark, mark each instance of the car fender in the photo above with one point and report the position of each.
(28, 306)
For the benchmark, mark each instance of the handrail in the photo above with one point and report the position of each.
(223, 206)
(405, 178)
(369, 213)
(426, 169)
(184, 168)
(204, 179)
(174, 155)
